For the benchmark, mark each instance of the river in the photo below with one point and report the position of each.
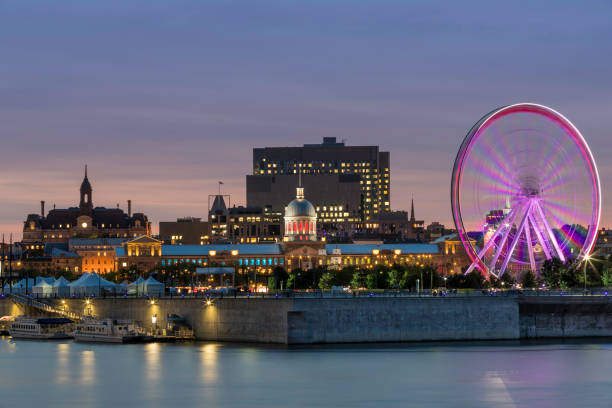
(506, 374)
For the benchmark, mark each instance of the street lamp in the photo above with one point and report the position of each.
(234, 254)
(587, 258)
(445, 283)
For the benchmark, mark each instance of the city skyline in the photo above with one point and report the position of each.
(161, 125)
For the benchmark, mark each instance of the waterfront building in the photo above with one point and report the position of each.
(185, 231)
(300, 219)
(84, 221)
(97, 254)
(143, 253)
(445, 254)
(346, 183)
(603, 244)
(254, 225)
(242, 224)
(55, 260)
(435, 230)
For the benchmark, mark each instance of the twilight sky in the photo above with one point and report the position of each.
(163, 99)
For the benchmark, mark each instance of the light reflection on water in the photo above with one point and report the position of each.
(229, 375)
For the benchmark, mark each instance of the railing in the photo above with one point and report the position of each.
(28, 301)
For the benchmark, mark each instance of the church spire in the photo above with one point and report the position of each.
(86, 190)
(412, 209)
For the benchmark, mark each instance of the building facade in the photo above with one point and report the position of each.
(345, 182)
(84, 221)
(185, 231)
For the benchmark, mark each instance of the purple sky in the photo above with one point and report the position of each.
(163, 99)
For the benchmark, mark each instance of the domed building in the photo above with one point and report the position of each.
(300, 219)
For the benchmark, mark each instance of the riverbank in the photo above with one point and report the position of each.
(361, 320)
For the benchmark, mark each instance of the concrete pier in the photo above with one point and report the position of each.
(376, 319)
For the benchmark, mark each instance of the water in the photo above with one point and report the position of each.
(58, 374)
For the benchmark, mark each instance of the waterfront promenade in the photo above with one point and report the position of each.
(381, 318)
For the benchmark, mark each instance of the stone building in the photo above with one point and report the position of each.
(84, 221)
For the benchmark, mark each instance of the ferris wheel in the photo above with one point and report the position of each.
(524, 189)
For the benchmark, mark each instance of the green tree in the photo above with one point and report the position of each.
(359, 279)
(371, 279)
(393, 278)
(528, 280)
(326, 281)
(551, 272)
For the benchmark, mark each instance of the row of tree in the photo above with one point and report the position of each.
(553, 274)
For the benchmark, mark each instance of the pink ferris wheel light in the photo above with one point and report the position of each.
(525, 188)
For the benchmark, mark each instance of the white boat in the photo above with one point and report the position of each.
(108, 331)
(5, 323)
(43, 328)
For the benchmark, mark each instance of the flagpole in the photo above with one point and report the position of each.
(3, 266)
(11, 264)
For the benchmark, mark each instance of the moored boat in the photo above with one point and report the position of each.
(108, 331)
(43, 328)
(5, 322)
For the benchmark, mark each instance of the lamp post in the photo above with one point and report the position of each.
(445, 283)
(587, 258)
(211, 254)
(234, 255)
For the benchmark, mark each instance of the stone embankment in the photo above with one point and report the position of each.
(347, 320)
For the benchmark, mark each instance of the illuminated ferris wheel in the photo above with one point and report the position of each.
(524, 189)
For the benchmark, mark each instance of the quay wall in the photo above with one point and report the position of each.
(565, 316)
(347, 320)
(402, 319)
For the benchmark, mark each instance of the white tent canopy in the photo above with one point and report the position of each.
(61, 287)
(42, 289)
(91, 284)
(19, 288)
(153, 287)
(136, 287)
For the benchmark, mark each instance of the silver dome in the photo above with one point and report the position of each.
(300, 208)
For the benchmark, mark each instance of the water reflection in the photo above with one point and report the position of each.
(63, 362)
(496, 391)
(222, 375)
(152, 366)
(209, 354)
(88, 367)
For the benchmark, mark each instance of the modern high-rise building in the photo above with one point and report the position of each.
(345, 183)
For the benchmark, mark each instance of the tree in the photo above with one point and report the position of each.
(528, 280)
(344, 276)
(371, 279)
(393, 278)
(551, 272)
(473, 280)
(359, 279)
(326, 281)
(280, 275)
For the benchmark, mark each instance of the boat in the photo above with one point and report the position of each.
(43, 328)
(108, 331)
(5, 322)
